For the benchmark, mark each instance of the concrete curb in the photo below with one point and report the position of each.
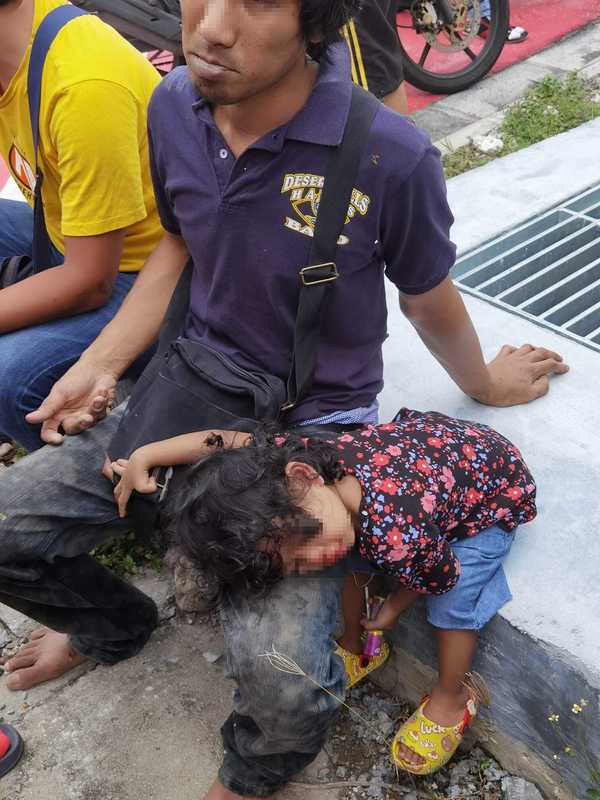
(453, 121)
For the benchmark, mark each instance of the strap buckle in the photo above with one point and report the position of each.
(287, 406)
(308, 280)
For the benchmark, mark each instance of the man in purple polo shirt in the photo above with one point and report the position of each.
(239, 146)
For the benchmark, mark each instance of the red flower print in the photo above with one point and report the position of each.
(346, 438)
(434, 441)
(515, 493)
(472, 496)
(388, 486)
(393, 450)
(399, 553)
(390, 426)
(423, 466)
(501, 513)
(469, 451)
(394, 537)
(448, 479)
(428, 502)
(381, 460)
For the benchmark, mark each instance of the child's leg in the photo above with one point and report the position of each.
(449, 696)
(457, 617)
(353, 606)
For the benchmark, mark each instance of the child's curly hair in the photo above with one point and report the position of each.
(234, 507)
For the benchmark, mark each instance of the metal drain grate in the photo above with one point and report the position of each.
(547, 270)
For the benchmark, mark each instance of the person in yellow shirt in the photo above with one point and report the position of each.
(97, 196)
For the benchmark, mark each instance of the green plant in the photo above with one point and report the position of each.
(126, 555)
(594, 791)
(578, 745)
(548, 108)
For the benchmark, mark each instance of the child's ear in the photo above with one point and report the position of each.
(298, 470)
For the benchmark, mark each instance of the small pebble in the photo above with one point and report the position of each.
(6, 448)
(212, 658)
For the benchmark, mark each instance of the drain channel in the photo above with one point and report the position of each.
(547, 270)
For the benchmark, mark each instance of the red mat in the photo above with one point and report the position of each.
(547, 21)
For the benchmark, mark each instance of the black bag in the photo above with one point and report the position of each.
(189, 386)
(17, 268)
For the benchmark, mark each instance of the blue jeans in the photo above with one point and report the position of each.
(56, 507)
(33, 359)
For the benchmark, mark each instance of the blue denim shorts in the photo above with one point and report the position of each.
(482, 588)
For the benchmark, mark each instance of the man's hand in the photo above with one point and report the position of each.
(135, 475)
(519, 375)
(80, 399)
(516, 375)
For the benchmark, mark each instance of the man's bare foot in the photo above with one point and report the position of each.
(46, 656)
(443, 708)
(218, 792)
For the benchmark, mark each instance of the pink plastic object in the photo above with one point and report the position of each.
(373, 642)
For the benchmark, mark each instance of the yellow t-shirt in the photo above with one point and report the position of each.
(93, 148)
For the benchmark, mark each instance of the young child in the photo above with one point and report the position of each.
(428, 500)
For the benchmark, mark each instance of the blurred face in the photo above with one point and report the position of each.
(324, 504)
(236, 49)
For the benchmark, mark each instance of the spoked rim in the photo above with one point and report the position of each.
(462, 49)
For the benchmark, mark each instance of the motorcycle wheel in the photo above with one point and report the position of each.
(480, 63)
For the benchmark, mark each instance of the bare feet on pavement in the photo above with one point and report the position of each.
(46, 656)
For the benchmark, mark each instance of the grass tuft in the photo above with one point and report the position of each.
(550, 107)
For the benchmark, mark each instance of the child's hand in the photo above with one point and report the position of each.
(385, 618)
(135, 474)
(395, 604)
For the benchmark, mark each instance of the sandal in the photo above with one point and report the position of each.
(357, 667)
(435, 743)
(11, 749)
(514, 33)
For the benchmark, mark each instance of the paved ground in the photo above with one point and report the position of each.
(547, 22)
(451, 121)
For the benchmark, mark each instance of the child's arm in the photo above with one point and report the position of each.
(185, 449)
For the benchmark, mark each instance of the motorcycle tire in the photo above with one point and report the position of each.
(436, 83)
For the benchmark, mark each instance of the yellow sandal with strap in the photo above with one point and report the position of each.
(357, 668)
(436, 743)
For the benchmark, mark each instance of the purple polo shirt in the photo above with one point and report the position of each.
(247, 224)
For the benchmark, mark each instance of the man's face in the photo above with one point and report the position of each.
(236, 49)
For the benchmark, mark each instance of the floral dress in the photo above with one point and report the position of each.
(428, 479)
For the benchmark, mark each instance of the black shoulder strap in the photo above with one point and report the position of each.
(318, 277)
(45, 35)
